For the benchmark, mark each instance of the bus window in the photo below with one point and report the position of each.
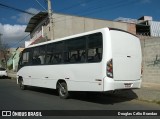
(49, 54)
(82, 56)
(42, 54)
(56, 59)
(95, 47)
(38, 55)
(74, 49)
(73, 56)
(35, 59)
(24, 59)
(54, 53)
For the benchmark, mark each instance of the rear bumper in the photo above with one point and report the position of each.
(110, 84)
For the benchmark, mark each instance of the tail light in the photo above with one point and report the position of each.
(110, 68)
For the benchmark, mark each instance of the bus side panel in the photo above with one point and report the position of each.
(24, 72)
(40, 76)
(79, 77)
(85, 77)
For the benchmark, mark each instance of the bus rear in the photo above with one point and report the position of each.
(124, 67)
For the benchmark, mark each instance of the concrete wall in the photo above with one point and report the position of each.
(131, 28)
(151, 59)
(65, 25)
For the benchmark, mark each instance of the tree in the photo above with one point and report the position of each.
(4, 53)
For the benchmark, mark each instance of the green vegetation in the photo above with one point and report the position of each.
(10, 67)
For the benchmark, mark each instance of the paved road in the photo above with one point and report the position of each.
(12, 98)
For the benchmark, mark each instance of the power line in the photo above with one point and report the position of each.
(120, 4)
(23, 39)
(75, 6)
(114, 6)
(45, 2)
(104, 5)
(97, 8)
(16, 9)
(41, 5)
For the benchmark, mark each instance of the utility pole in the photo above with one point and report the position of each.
(0, 41)
(50, 19)
(0, 51)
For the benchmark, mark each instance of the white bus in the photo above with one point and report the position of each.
(101, 60)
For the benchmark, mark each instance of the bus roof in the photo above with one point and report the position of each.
(122, 31)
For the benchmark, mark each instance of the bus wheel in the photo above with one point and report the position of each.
(21, 85)
(63, 90)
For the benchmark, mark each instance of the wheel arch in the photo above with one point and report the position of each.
(60, 81)
(20, 78)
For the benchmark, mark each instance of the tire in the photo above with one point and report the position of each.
(21, 85)
(63, 90)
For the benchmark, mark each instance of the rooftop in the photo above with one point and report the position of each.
(35, 20)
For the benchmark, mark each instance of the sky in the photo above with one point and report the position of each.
(13, 23)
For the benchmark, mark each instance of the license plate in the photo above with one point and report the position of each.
(128, 85)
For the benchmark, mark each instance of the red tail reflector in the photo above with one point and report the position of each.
(110, 68)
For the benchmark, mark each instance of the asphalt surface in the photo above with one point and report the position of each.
(12, 98)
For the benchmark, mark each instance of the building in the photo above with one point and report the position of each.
(66, 25)
(12, 63)
(144, 25)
